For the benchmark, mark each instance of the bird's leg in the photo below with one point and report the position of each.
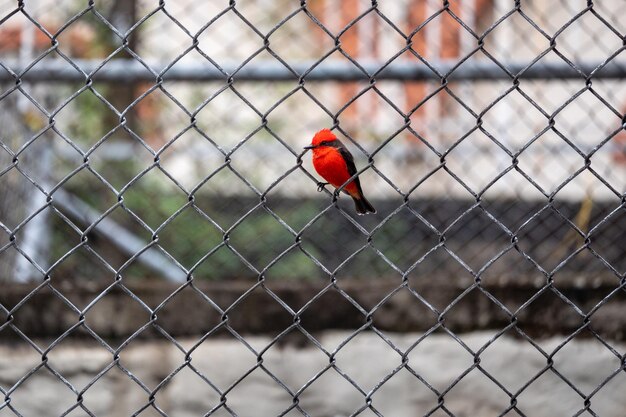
(321, 185)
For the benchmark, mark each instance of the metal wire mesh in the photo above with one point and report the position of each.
(489, 134)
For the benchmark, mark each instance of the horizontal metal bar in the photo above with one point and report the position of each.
(129, 71)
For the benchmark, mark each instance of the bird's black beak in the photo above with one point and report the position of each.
(310, 147)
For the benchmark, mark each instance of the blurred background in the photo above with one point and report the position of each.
(262, 125)
(154, 187)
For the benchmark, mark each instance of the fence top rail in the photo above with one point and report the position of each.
(130, 70)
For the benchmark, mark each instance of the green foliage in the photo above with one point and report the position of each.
(211, 251)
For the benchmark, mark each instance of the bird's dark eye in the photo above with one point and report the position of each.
(323, 143)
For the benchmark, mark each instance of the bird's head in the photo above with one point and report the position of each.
(322, 138)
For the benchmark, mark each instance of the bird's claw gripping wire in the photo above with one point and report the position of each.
(320, 186)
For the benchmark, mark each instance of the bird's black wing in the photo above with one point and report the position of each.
(347, 156)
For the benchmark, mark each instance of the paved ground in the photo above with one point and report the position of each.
(366, 359)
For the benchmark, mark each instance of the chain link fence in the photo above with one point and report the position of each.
(155, 187)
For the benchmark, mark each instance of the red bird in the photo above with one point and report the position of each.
(335, 163)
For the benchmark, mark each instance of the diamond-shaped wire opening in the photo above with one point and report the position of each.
(100, 119)
(140, 192)
(26, 192)
(299, 38)
(290, 201)
(512, 270)
(550, 161)
(372, 36)
(600, 121)
(122, 391)
(304, 117)
(340, 396)
(67, 238)
(610, 13)
(350, 13)
(140, 264)
(488, 238)
(597, 202)
(219, 347)
(437, 348)
(44, 299)
(117, 302)
(87, 37)
(332, 226)
(224, 49)
(604, 238)
(556, 16)
(549, 100)
(187, 390)
(368, 264)
(194, 18)
(476, 308)
(188, 236)
(238, 316)
(260, 238)
(481, 16)
(515, 30)
(351, 356)
(370, 118)
(549, 302)
(609, 394)
(227, 109)
(191, 96)
(503, 200)
(238, 397)
(583, 349)
(136, 353)
(262, 160)
(478, 160)
(39, 93)
(159, 38)
(440, 270)
(493, 402)
(478, 94)
(59, 158)
(404, 393)
(264, 95)
(55, 398)
(402, 312)
(407, 232)
(224, 263)
(293, 264)
(23, 125)
(438, 208)
(157, 118)
(293, 351)
(78, 358)
(514, 122)
(344, 315)
(190, 157)
(546, 237)
(20, 21)
(189, 299)
(549, 390)
(497, 360)
(587, 38)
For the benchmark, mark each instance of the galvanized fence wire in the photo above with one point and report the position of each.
(55, 197)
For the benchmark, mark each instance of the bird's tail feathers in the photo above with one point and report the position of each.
(362, 205)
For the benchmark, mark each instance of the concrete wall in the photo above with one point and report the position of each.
(366, 359)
